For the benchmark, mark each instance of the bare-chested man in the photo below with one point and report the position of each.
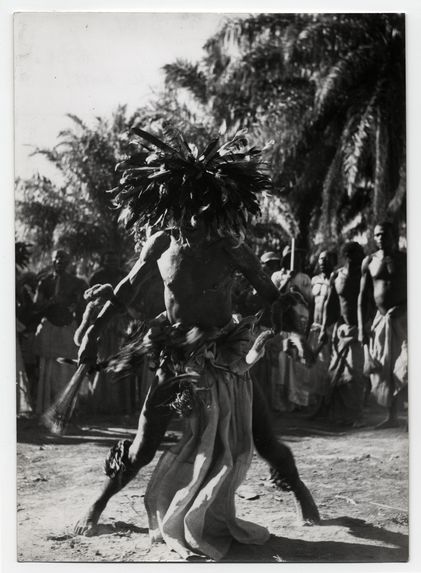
(196, 263)
(347, 382)
(293, 381)
(59, 302)
(320, 285)
(384, 277)
(320, 291)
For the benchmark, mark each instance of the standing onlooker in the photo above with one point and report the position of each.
(293, 279)
(320, 286)
(23, 393)
(347, 383)
(110, 271)
(384, 276)
(109, 394)
(26, 322)
(266, 370)
(293, 382)
(59, 301)
(24, 304)
(271, 262)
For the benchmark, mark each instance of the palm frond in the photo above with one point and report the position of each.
(330, 200)
(183, 74)
(398, 199)
(357, 144)
(357, 67)
(77, 120)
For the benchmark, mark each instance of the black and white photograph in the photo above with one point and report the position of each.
(210, 287)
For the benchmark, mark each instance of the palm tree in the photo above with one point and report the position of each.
(330, 90)
(76, 212)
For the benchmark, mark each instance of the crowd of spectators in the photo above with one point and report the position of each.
(322, 363)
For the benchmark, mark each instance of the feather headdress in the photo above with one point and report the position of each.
(172, 184)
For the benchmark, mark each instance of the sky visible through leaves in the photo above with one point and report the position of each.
(89, 63)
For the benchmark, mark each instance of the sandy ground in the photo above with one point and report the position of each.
(359, 479)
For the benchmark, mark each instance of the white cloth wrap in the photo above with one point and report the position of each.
(389, 350)
(190, 499)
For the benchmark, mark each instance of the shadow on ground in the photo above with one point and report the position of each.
(105, 430)
(118, 528)
(102, 432)
(286, 549)
(280, 549)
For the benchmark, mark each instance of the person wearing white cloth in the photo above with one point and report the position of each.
(199, 355)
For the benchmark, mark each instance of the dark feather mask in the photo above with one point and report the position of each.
(170, 184)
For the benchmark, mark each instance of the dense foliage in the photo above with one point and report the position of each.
(329, 90)
(322, 94)
(77, 214)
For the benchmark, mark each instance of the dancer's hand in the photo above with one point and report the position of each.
(88, 349)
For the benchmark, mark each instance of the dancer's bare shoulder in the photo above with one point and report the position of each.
(152, 250)
(157, 244)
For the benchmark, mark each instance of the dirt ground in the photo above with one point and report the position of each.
(359, 479)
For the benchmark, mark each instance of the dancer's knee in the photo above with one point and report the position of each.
(125, 458)
(118, 462)
(141, 455)
(265, 447)
(282, 463)
(273, 450)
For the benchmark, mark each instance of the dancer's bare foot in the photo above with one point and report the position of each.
(307, 512)
(87, 524)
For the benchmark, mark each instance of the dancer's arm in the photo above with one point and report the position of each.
(249, 265)
(124, 294)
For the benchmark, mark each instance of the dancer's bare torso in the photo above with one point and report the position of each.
(197, 283)
(197, 278)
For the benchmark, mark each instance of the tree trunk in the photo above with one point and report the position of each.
(381, 192)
